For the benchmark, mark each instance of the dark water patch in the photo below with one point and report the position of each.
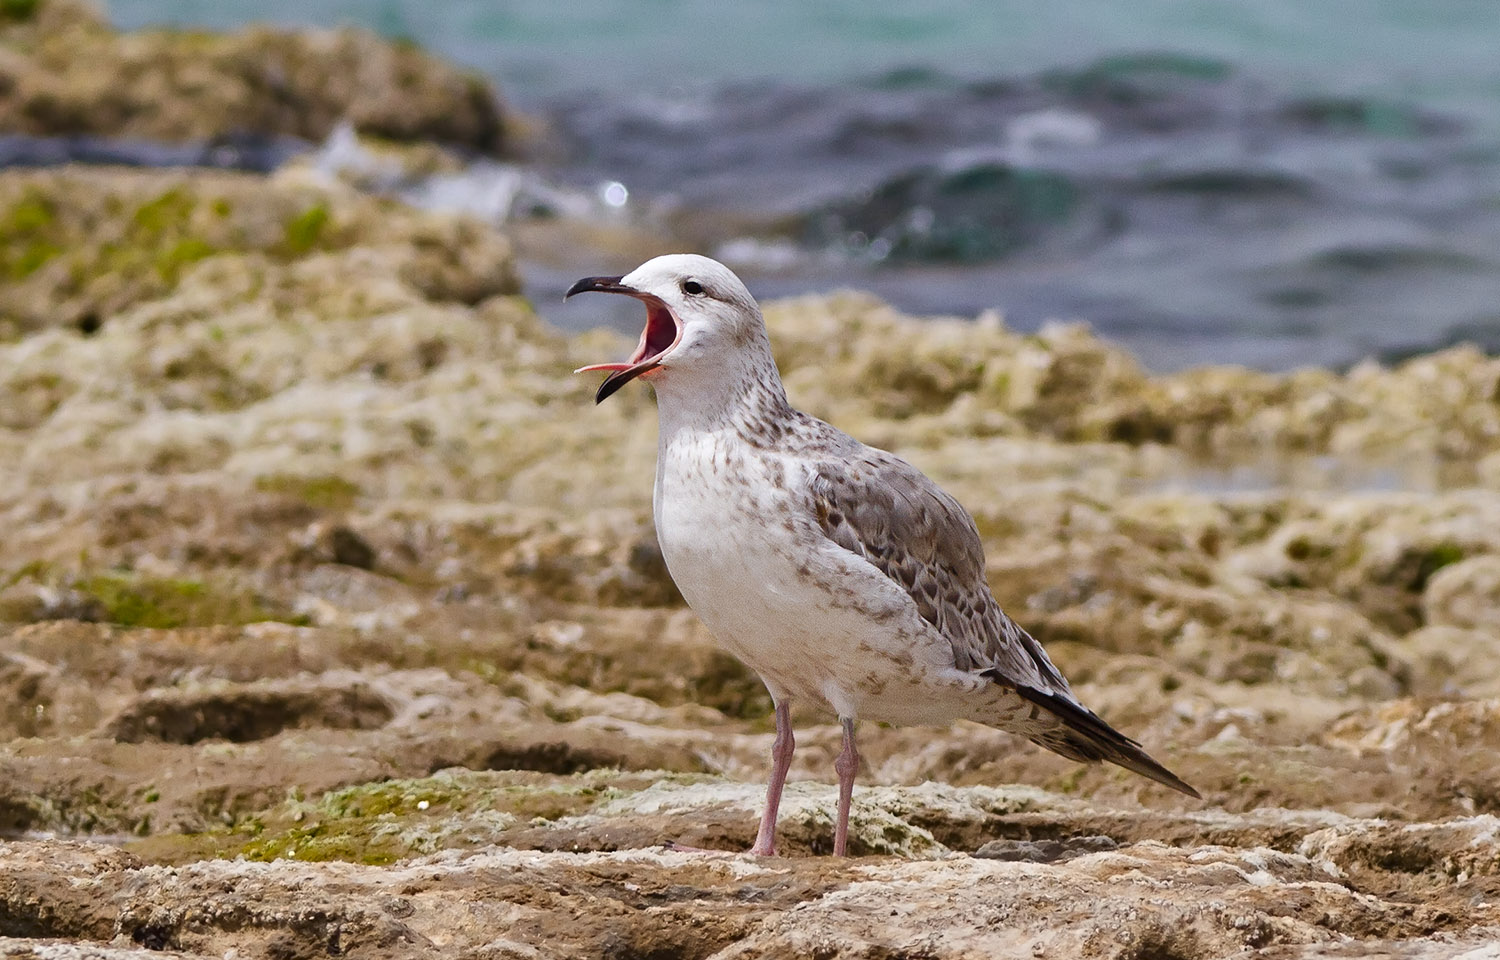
(1482, 332)
(1296, 298)
(1229, 182)
(1133, 79)
(1353, 115)
(1383, 258)
(910, 78)
(984, 212)
(251, 153)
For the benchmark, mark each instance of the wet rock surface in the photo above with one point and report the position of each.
(332, 621)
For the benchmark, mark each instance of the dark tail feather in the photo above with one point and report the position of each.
(1088, 738)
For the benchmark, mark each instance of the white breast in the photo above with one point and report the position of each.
(817, 623)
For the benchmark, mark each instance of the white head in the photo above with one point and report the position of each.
(700, 319)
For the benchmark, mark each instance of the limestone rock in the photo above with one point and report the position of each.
(80, 245)
(65, 71)
(52, 949)
(1451, 661)
(1212, 902)
(1465, 594)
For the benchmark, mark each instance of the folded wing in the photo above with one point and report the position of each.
(883, 509)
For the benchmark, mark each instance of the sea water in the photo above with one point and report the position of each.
(1273, 182)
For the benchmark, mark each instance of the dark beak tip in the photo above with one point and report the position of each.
(619, 378)
(608, 388)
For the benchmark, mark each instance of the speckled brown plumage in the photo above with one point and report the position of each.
(878, 506)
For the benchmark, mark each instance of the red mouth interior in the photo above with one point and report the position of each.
(661, 334)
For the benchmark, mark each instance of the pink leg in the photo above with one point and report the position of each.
(781, 762)
(847, 766)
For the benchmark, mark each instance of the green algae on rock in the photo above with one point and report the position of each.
(80, 245)
(164, 602)
(397, 819)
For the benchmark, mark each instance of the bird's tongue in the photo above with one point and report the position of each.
(604, 366)
(660, 335)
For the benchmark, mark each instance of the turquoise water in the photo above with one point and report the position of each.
(1439, 53)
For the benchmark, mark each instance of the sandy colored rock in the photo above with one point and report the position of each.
(1465, 594)
(1147, 896)
(65, 71)
(1452, 662)
(1428, 421)
(49, 949)
(80, 245)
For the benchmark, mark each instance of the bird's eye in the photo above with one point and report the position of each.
(692, 286)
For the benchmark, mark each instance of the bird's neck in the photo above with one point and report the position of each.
(743, 396)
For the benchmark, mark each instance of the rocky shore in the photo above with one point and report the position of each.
(332, 621)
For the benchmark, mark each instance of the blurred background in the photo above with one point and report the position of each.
(1271, 182)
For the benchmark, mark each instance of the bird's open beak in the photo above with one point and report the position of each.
(663, 331)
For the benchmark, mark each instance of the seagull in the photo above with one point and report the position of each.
(839, 573)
